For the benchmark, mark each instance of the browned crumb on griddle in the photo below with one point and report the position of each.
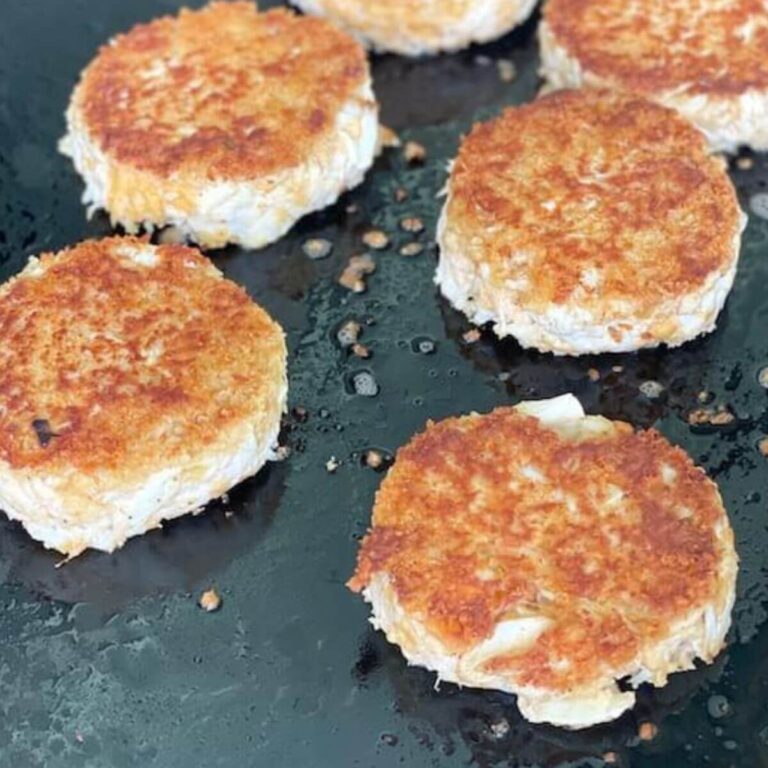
(349, 333)
(412, 224)
(717, 417)
(354, 274)
(210, 600)
(317, 248)
(376, 239)
(374, 459)
(414, 153)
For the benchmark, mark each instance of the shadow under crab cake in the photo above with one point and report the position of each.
(489, 725)
(457, 85)
(638, 387)
(181, 556)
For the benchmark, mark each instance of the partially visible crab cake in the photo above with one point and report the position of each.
(227, 123)
(550, 554)
(416, 27)
(706, 58)
(136, 384)
(587, 222)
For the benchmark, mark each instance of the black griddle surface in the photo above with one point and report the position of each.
(108, 661)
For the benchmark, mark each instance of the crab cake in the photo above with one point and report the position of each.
(706, 58)
(546, 553)
(227, 123)
(417, 27)
(588, 222)
(136, 384)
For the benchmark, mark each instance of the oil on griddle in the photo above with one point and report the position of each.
(109, 661)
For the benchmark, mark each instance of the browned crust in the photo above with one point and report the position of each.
(76, 352)
(223, 93)
(464, 547)
(589, 180)
(651, 46)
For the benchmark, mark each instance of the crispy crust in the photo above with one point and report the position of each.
(134, 366)
(224, 93)
(714, 47)
(414, 27)
(601, 204)
(613, 536)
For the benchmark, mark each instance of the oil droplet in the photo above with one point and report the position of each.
(423, 345)
(718, 706)
(652, 389)
(364, 384)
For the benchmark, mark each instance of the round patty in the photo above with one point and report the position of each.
(136, 384)
(227, 123)
(549, 554)
(587, 222)
(706, 58)
(416, 27)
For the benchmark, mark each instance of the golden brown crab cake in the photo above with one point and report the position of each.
(136, 384)
(546, 553)
(418, 27)
(589, 221)
(227, 123)
(706, 58)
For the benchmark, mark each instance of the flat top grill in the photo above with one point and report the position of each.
(108, 661)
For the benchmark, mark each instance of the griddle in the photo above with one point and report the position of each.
(108, 661)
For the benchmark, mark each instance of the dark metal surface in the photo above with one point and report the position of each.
(108, 661)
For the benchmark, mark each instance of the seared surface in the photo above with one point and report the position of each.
(611, 534)
(127, 367)
(606, 203)
(715, 47)
(224, 92)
